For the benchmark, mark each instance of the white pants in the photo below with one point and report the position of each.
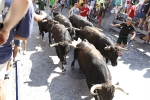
(84, 18)
(2, 71)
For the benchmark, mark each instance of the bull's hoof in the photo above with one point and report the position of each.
(65, 63)
(63, 70)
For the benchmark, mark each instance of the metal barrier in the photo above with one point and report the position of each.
(18, 82)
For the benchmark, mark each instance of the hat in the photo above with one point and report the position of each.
(129, 18)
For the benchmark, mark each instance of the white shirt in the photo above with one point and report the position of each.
(141, 2)
(92, 3)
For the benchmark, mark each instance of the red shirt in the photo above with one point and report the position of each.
(132, 13)
(85, 11)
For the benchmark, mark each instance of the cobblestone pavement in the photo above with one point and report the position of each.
(42, 79)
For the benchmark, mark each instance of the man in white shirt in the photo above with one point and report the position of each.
(74, 10)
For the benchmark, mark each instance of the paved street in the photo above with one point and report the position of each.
(42, 79)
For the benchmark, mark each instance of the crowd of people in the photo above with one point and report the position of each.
(135, 9)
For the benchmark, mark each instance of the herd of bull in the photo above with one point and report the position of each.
(89, 53)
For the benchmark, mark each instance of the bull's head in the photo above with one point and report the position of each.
(113, 53)
(63, 48)
(104, 92)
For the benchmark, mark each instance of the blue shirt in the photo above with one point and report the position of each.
(23, 29)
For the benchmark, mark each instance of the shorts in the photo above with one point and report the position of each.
(62, 5)
(84, 17)
(143, 16)
(17, 42)
(54, 14)
(99, 19)
(122, 39)
(2, 71)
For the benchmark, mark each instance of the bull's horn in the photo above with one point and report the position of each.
(107, 48)
(67, 28)
(53, 45)
(118, 88)
(77, 29)
(44, 20)
(72, 45)
(123, 49)
(94, 87)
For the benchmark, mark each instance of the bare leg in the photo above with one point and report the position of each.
(16, 49)
(24, 43)
(2, 91)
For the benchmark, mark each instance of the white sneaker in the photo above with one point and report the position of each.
(24, 52)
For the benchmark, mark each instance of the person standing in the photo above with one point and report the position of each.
(131, 10)
(126, 29)
(15, 18)
(100, 14)
(56, 8)
(84, 11)
(74, 10)
(62, 2)
(42, 5)
(145, 12)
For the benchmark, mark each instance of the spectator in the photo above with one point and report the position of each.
(74, 10)
(125, 30)
(92, 3)
(12, 15)
(139, 8)
(51, 3)
(100, 14)
(93, 13)
(84, 11)
(41, 4)
(117, 9)
(90, 7)
(62, 2)
(131, 10)
(145, 12)
(127, 5)
(56, 8)
(68, 3)
(147, 40)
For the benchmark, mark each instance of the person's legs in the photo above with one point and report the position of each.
(62, 6)
(118, 44)
(2, 82)
(2, 91)
(24, 44)
(99, 21)
(16, 49)
(124, 42)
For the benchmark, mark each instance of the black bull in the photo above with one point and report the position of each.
(104, 44)
(62, 40)
(65, 21)
(45, 26)
(78, 22)
(95, 70)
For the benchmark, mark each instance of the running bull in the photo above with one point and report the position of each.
(45, 26)
(104, 44)
(62, 40)
(78, 22)
(97, 74)
(65, 21)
